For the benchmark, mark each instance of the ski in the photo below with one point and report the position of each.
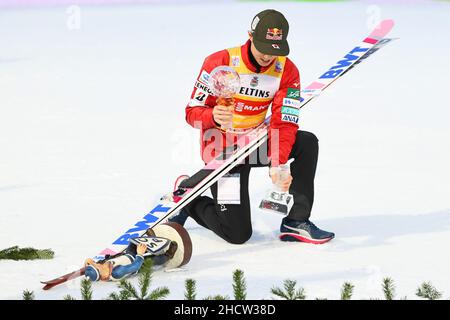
(72, 275)
(190, 188)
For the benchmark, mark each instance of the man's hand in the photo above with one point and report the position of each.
(141, 249)
(223, 115)
(280, 179)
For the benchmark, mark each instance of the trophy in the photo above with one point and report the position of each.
(224, 82)
(277, 200)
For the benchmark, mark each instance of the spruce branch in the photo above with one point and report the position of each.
(428, 291)
(347, 291)
(190, 286)
(68, 297)
(289, 292)
(27, 295)
(388, 288)
(239, 285)
(86, 289)
(145, 277)
(217, 297)
(158, 294)
(128, 289)
(16, 253)
(122, 295)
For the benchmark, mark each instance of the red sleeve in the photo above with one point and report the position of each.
(284, 121)
(200, 107)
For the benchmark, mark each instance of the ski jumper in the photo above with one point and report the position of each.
(275, 87)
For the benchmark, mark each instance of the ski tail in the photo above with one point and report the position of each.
(72, 275)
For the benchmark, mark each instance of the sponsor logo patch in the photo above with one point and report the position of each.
(255, 23)
(293, 93)
(278, 66)
(203, 87)
(240, 106)
(254, 81)
(235, 61)
(204, 77)
(289, 118)
(289, 110)
(254, 92)
(274, 34)
(291, 102)
(199, 98)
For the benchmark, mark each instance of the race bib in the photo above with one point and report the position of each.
(229, 189)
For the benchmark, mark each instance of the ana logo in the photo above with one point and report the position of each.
(254, 81)
(291, 102)
(274, 34)
(275, 46)
(235, 61)
(290, 118)
(204, 77)
(293, 93)
(278, 66)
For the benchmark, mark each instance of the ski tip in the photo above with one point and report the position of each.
(382, 29)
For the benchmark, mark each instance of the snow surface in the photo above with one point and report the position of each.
(92, 132)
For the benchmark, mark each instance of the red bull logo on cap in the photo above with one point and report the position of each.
(274, 34)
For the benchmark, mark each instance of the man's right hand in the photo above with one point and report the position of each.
(223, 115)
(141, 249)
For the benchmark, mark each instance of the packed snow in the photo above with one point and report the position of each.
(92, 133)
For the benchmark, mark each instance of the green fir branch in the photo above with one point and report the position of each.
(217, 297)
(113, 296)
(86, 289)
(388, 288)
(145, 277)
(191, 290)
(68, 297)
(158, 294)
(428, 291)
(347, 291)
(128, 289)
(27, 295)
(289, 292)
(122, 295)
(16, 253)
(239, 285)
